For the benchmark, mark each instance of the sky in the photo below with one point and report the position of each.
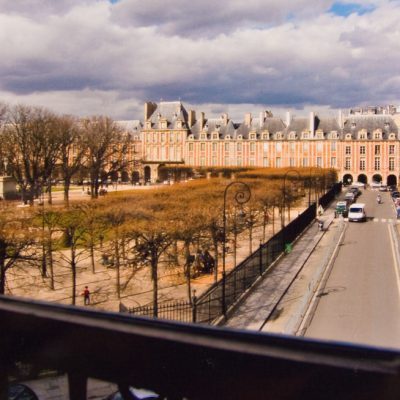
(92, 57)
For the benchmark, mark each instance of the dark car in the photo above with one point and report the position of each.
(355, 190)
(392, 188)
(395, 195)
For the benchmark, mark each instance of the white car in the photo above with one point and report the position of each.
(357, 212)
(375, 185)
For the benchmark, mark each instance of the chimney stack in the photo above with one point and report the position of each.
(288, 118)
(262, 118)
(191, 118)
(312, 123)
(149, 108)
(340, 119)
(247, 119)
(201, 120)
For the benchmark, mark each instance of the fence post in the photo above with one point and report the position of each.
(261, 268)
(194, 307)
(223, 294)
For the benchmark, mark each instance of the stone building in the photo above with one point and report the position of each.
(363, 145)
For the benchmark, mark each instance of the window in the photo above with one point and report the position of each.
(239, 146)
(291, 162)
(292, 146)
(377, 164)
(252, 136)
(305, 146)
(215, 136)
(362, 150)
(163, 138)
(239, 161)
(362, 135)
(305, 162)
(391, 149)
(377, 150)
(252, 146)
(362, 164)
(319, 161)
(348, 150)
(347, 165)
(333, 162)
(252, 163)
(377, 135)
(319, 146)
(202, 161)
(203, 136)
(391, 163)
(214, 147)
(202, 146)
(171, 137)
(226, 147)
(278, 162)
(265, 147)
(190, 146)
(265, 162)
(226, 160)
(278, 147)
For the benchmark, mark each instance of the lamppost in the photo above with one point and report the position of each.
(242, 196)
(284, 191)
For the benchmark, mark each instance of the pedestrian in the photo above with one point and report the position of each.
(86, 296)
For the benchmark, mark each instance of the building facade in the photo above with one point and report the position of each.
(363, 145)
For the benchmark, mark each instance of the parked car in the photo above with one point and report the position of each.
(350, 197)
(341, 208)
(357, 212)
(392, 188)
(359, 184)
(383, 188)
(375, 185)
(395, 195)
(355, 190)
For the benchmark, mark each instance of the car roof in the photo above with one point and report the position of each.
(357, 205)
(341, 203)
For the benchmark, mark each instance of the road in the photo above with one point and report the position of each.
(361, 299)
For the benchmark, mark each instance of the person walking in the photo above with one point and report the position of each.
(86, 296)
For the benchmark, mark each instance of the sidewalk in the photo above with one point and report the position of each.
(279, 300)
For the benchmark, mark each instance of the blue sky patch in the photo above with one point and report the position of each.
(345, 9)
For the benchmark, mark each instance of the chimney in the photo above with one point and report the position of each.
(340, 119)
(247, 119)
(312, 123)
(201, 120)
(224, 117)
(149, 108)
(191, 118)
(262, 118)
(288, 118)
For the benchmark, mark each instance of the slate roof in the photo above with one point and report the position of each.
(171, 111)
(370, 123)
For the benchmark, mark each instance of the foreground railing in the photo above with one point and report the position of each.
(186, 360)
(225, 293)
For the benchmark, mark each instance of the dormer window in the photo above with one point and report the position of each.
(240, 137)
(252, 136)
(163, 124)
(265, 136)
(392, 136)
(305, 135)
(353, 125)
(215, 136)
(334, 135)
(292, 135)
(348, 136)
(377, 134)
(179, 124)
(203, 136)
(191, 137)
(278, 136)
(136, 137)
(362, 135)
(227, 137)
(319, 134)
(387, 125)
(148, 124)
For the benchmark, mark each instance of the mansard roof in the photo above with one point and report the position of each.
(370, 123)
(130, 125)
(299, 124)
(214, 125)
(270, 124)
(171, 111)
(328, 124)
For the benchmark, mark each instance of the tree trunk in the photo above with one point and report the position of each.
(50, 259)
(215, 245)
(2, 277)
(187, 270)
(92, 261)
(117, 266)
(250, 240)
(73, 268)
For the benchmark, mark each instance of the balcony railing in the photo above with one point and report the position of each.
(188, 361)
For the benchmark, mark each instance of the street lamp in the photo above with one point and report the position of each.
(242, 196)
(284, 192)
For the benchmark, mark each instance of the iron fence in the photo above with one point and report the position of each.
(226, 292)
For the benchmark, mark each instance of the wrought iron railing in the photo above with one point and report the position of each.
(222, 295)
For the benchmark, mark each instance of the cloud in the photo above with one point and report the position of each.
(90, 57)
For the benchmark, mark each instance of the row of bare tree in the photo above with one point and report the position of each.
(37, 146)
(140, 229)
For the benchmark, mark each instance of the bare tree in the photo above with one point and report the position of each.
(106, 150)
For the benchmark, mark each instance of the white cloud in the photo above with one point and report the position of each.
(89, 57)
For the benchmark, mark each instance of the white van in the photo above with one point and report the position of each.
(357, 212)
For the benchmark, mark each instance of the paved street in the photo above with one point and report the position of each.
(360, 302)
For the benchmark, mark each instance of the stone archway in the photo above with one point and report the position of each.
(124, 176)
(147, 174)
(362, 178)
(135, 177)
(391, 180)
(377, 178)
(347, 179)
